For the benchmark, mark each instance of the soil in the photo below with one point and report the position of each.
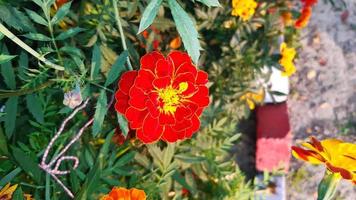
(322, 102)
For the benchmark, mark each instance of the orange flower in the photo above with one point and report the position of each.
(287, 18)
(125, 194)
(339, 157)
(175, 43)
(60, 3)
(304, 18)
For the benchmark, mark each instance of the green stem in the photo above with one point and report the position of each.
(50, 28)
(121, 30)
(327, 186)
(23, 45)
(12, 93)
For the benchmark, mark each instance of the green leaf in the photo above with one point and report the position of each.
(5, 58)
(100, 113)
(27, 164)
(327, 186)
(123, 124)
(10, 118)
(125, 159)
(8, 178)
(34, 106)
(95, 62)
(7, 71)
(61, 13)
(3, 144)
(186, 29)
(210, 3)
(23, 65)
(15, 18)
(38, 37)
(36, 17)
(168, 155)
(149, 14)
(69, 33)
(117, 68)
(18, 194)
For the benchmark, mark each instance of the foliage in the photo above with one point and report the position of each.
(96, 41)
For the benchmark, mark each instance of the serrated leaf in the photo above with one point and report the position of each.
(10, 118)
(186, 29)
(95, 62)
(36, 17)
(61, 13)
(117, 68)
(15, 18)
(124, 159)
(27, 164)
(34, 106)
(168, 154)
(5, 58)
(123, 124)
(7, 71)
(23, 65)
(210, 3)
(100, 113)
(69, 33)
(149, 15)
(38, 37)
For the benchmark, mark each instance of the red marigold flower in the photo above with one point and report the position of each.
(164, 98)
(304, 18)
(309, 2)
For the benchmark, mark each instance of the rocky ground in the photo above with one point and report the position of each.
(323, 97)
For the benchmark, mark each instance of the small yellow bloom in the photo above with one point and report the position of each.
(287, 57)
(339, 157)
(253, 98)
(7, 191)
(243, 8)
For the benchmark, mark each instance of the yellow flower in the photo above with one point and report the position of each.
(339, 157)
(253, 98)
(287, 57)
(7, 191)
(243, 8)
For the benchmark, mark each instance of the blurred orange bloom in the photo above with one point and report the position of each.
(60, 3)
(309, 2)
(339, 157)
(7, 191)
(175, 43)
(304, 18)
(125, 194)
(287, 57)
(287, 18)
(253, 98)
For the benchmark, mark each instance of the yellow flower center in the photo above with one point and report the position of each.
(171, 97)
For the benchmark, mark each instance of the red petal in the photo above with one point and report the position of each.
(121, 102)
(149, 60)
(187, 67)
(166, 119)
(182, 125)
(182, 112)
(183, 77)
(137, 98)
(152, 129)
(164, 68)
(201, 97)
(141, 136)
(152, 108)
(195, 127)
(127, 80)
(144, 80)
(135, 117)
(170, 135)
(178, 58)
(161, 83)
(202, 78)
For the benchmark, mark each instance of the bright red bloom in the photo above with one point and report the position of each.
(304, 18)
(164, 98)
(309, 2)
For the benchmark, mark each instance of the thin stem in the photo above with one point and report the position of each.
(122, 36)
(50, 28)
(23, 45)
